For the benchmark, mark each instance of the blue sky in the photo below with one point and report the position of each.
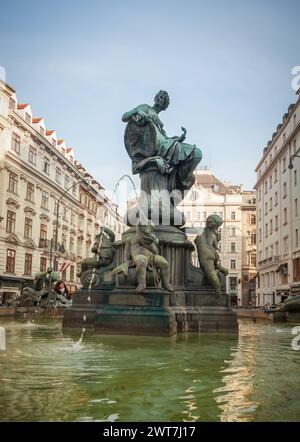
(226, 65)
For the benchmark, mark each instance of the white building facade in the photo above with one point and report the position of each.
(237, 208)
(278, 211)
(38, 171)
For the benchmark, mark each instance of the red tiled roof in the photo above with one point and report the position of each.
(60, 141)
(22, 106)
(68, 150)
(36, 120)
(50, 132)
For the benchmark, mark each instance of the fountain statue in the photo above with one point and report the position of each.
(93, 269)
(141, 252)
(208, 256)
(39, 295)
(146, 283)
(163, 163)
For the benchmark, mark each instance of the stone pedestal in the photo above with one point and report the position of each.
(118, 309)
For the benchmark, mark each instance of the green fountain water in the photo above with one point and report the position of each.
(46, 376)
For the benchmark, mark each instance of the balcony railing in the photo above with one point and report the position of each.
(271, 259)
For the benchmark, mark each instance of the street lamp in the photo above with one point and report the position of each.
(53, 267)
(292, 157)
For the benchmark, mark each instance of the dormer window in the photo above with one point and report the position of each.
(63, 151)
(42, 131)
(53, 142)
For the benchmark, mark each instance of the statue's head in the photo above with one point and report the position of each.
(162, 99)
(145, 230)
(213, 222)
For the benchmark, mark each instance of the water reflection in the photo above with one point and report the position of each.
(46, 375)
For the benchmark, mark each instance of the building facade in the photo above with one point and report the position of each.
(38, 173)
(237, 208)
(278, 211)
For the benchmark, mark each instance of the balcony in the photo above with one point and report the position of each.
(268, 261)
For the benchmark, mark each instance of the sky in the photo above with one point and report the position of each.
(225, 64)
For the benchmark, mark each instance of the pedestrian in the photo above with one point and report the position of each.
(61, 289)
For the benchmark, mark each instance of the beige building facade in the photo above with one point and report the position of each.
(278, 211)
(38, 171)
(237, 208)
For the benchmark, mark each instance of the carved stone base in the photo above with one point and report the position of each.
(155, 312)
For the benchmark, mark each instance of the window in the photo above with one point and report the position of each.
(221, 215)
(276, 248)
(72, 217)
(253, 238)
(259, 195)
(15, 142)
(271, 204)
(275, 176)
(266, 187)
(71, 244)
(232, 247)
(64, 274)
(79, 247)
(271, 227)
(253, 260)
(266, 230)
(45, 199)
(296, 238)
(63, 151)
(71, 159)
(67, 182)
(284, 165)
(232, 216)
(285, 245)
(232, 283)
(13, 182)
(43, 231)
(12, 104)
(253, 219)
(270, 182)
(295, 177)
(28, 228)
(65, 213)
(43, 264)
(72, 273)
(276, 222)
(284, 216)
(32, 155)
(28, 264)
(259, 214)
(74, 189)
(266, 208)
(27, 118)
(296, 207)
(296, 269)
(204, 216)
(233, 264)
(30, 192)
(46, 166)
(284, 190)
(10, 261)
(276, 199)
(10, 222)
(198, 216)
(53, 142)
(259, 235)
(58, 175)
(232, 231)
(42, 131)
